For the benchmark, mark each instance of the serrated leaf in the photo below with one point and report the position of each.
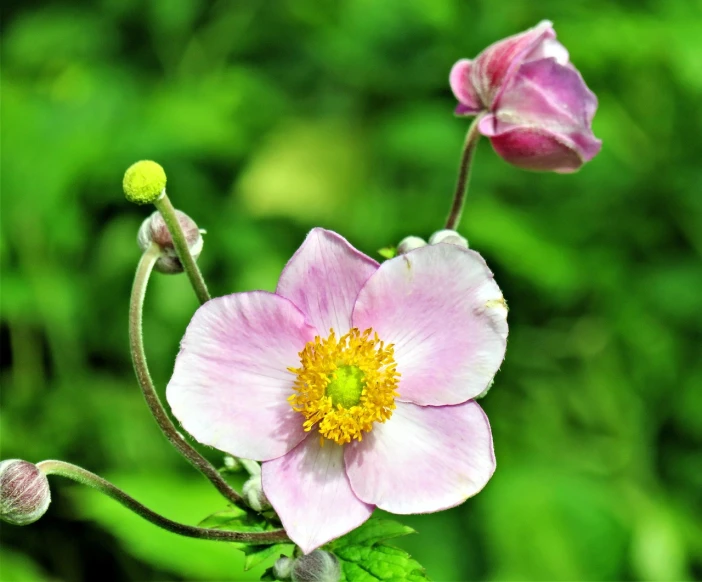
(268, 576)
(256, 554)
(387, 252)
(379, 562)
(372, 532)
(364, 557)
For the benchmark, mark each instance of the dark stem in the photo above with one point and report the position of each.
(167, 211)
(459, 197)
(84, 477)
(136, 341)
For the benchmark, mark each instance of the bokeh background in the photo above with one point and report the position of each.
(274, 117)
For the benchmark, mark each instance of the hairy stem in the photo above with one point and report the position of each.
(136, 342)
(85, 477)
(164, 206)
(459, 197)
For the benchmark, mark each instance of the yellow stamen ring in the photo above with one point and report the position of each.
(344, 386)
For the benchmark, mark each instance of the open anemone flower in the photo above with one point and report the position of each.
(353, 382)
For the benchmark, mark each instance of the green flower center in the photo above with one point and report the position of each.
(345, 386)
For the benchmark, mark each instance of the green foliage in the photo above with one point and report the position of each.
(271, 121)
(365, 557)
(236, 519)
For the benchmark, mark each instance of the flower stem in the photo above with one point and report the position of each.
(164, 206)
(136, 341)
(459, 197)
(85, 477)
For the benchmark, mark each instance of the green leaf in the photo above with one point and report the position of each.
(372, 532)
(387, 252)
(364, 557)
(257, 554)
(236, 519)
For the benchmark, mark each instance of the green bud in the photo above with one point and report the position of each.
(144, 182)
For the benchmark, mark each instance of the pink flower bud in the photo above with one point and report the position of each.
(538, 110)
(24, 492)
(154, 229)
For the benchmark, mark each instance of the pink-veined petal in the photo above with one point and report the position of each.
(323, 279)
(493, 67)
(446, 316)
(534, 148)
(462, 87)
(310, 492)
(423, 459)
(546, 94)
(231, 382)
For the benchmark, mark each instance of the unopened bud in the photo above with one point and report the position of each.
(144, 182)
(24, 492)
(449, 237)
(154, 229)
(318, 566)
(254, 495)
(282, 569)
(231, 464)
(409, 243)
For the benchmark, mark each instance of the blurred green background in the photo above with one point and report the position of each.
(274, 117)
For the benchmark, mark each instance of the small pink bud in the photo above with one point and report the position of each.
(24, 492)
(154, 229)
(538, 110)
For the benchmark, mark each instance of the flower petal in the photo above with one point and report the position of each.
(462, 87)
(423, 459)
(309, 490)
(446, 316)
(231, 382)
(533, 148)
(323, 279)
(493, 67)
(547, 94)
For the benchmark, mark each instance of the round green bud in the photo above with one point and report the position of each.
(144, 182)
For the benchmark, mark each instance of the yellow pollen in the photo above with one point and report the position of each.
(345, 385)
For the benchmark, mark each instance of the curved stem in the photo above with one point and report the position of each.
(85, 477)
(136, 341)
(459, 197)
(164, 206)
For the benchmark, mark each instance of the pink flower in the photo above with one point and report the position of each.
(353, 382)
(539, 110)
